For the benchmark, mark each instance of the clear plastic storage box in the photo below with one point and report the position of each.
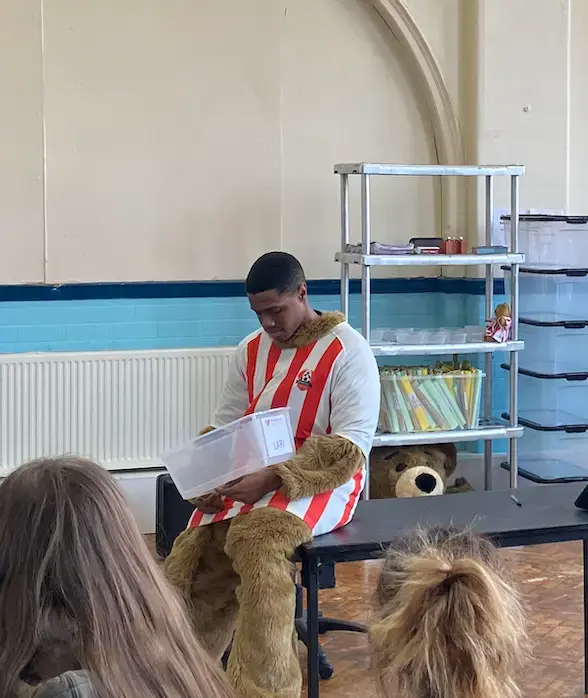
(222, 455)
(551, 295)
(560, 346)
(551, 240)
(440, 335)
(540, 391)
(553, 446)
(552, 432)
(424, 399)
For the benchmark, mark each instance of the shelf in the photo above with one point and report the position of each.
(427, 260)
(367, 168)
(383, 349)
(485, 432)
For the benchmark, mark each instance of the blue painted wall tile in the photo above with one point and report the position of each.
(40, 333)
(134, 330)
(188, 328)
(87, 332)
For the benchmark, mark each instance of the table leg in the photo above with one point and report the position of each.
(312, 619)
(585, 567)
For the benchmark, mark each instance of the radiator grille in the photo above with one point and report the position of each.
(122, 408)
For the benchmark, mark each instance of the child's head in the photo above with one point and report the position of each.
(451, 622)
(74, 564)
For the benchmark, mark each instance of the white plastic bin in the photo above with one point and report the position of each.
(552, 296)
(222, 455)
(561, 346)
(551, 240)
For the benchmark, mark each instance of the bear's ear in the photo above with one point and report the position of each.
(450, 452)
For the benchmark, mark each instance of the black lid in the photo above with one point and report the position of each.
(566, 324)
(538, 218)
(551, 271)
(572, 376)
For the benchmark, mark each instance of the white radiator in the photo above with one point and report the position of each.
(121, 408)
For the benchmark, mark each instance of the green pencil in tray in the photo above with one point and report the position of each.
(425, 398)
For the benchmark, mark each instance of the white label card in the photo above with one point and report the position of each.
(276, 436)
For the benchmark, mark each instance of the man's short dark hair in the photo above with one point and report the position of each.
(275, 271)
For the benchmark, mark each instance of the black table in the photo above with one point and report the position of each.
(547, 515)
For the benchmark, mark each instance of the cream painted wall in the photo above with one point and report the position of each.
(21, 142)
(523, 94)
(578, 174)
(184, 139)
(163, 137)
(347, 97)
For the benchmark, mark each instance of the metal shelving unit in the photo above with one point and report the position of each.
(489, 428)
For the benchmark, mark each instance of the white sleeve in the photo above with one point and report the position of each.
(355, 397)
(235, 399)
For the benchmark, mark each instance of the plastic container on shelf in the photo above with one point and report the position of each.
(551, 240)
(561, 346)
(424, 399)
(543, 390)
(383, 335)
(438, 337)
(555, 294)
(458, 337)
(553, 445)
(412, 336)
(475, 333)
(222, 455)
(405, 336)
(420, 336)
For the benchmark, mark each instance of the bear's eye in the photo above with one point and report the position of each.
(400, 467)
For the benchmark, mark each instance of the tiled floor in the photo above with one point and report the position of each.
(551, 577)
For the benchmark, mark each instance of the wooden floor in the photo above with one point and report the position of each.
(551, 577)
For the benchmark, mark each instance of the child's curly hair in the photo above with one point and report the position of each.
(451, 623)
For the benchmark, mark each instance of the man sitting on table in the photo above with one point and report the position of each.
(232, 564)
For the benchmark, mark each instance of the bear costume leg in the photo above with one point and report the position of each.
(245, 560)
(264, 658)
(200, 570)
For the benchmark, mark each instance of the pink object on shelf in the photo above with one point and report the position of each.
(498, 330)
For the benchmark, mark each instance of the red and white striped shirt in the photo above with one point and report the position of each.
(332, 386)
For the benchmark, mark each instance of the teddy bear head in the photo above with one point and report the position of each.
(411, 471)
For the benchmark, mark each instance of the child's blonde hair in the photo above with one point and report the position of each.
(451, 623)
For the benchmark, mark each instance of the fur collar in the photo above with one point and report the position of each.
(312, 330)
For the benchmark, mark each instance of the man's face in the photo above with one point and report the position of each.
(280, 315)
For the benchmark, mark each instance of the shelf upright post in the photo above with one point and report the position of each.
(344, 242)
(489, 312)
(514, 305)
(366, 241)
(366, 290)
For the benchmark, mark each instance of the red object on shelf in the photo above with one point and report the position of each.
(452, 246)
